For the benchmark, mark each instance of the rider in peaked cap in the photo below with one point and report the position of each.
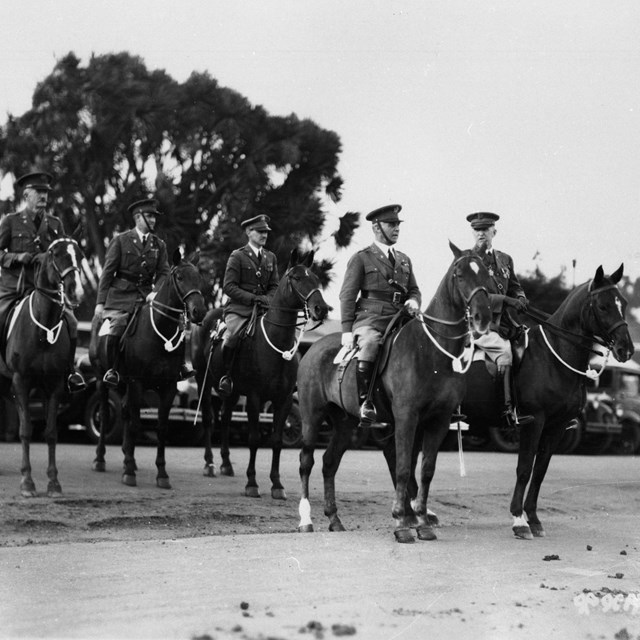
(40, 180)
(24, 235)
(389, 213)
(147, 205)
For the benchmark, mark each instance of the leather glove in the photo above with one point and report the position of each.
(411, 307)
(519, 304)
(99, 310)
(347, 339)
(263, 301)
(24, 258)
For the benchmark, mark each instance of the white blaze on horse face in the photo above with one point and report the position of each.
(474, 267)
(619, 305)
(74, 261)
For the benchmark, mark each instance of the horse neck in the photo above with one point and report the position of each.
(281, 319)
(445, 305)
(45, 307)
(167, 297)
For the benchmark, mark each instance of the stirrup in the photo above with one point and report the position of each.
(111, 378)
(76, 383)
(186, 371)
(369, 417)
(225, 386)
(514, 420)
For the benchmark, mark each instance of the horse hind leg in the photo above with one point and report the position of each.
(99, 463)
(226, 467)
(166, 393)
(20, 393)
(280, 413)
(204, 388)
(131, 422)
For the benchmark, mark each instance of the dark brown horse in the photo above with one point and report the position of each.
(551, 381)
(38, 349)
(152, 354)
(265, 368)
(422, 385)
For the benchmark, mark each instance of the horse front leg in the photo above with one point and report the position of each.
(331, 459)
(529, 438)
(280, 414)
(434, 433)
(404, 438)
(131, 430)
(99, 463)
(167, 393)
(54, 489)
(226, 468)
(251, 489)
(548, 443)
(204, 387)
(20, 393)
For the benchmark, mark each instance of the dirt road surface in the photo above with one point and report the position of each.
(202, 561)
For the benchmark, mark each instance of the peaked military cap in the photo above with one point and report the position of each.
(259, 223)
(36, 180)
(385, 214)
(148, 205)
(482, 219)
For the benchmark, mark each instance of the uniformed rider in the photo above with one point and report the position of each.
(378, 282)
(23, 236)
(510, 295)
(250, 279)
(135, 266)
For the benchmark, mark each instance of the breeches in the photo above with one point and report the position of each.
(368, 341)
(497, 348)
(235, 324)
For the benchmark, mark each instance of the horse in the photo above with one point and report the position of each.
(551, 377)
(151, 357)
(420, 386)
(265, 368)
(38, 350)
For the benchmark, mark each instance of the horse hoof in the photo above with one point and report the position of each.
(209, 471)
(522, 532)
(252, 492)
(129, 480)
(537, 530)
(226, 470)
(28, 493)
(54, 490)
(425, 532)
(99, 465)
(404, 536)
(305, 528)
(336, 526)
(163, 483)
(433, 520)
(278, 494)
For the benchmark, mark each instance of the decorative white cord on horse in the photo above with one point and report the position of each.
(456, 363)
(286, 355)
(590, 373)
(180, 330)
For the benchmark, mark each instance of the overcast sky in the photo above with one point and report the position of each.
(529, 109)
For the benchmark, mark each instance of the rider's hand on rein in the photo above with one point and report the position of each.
(347, 339)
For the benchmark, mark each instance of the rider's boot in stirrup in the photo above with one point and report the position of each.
(225, 386)
(368, 415)
(186, 371)
(510, 410)
(75, 381)
(112, 377)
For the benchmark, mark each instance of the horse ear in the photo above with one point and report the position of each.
(177, 257)
(293, 258)
(597, 279)
(308, 259)
(456, 252)
(76, 234)
(616, 275)
(194, 258)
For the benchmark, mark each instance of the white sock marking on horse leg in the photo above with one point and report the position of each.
(520, 521)
(304, 509)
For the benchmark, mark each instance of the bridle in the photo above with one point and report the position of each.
(175, 314)
(304, 299)
(604, 332)
(457, 364)
(57, 296)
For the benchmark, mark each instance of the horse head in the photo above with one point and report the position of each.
(470, 284)
(301, 287)
(185, 286)
(606, 313)
(59, 270)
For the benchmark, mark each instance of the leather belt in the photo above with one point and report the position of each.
(138, 281)
(394, 297)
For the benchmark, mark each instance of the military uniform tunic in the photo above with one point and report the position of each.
(130, 272)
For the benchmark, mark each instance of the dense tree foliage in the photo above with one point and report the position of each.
(113, 131)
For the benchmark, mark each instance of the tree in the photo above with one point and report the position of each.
(113, 131)
(544, 293)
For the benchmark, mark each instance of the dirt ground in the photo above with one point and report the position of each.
(202, 561)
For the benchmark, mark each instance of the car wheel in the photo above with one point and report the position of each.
(505, 438)
(628, 441)
(113, 433)
(570, 440)
(292, 432)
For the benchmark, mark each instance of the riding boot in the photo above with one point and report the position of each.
(225, 386)
(368, 414)
(112, 377)
(75, 381)
(510, 410)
